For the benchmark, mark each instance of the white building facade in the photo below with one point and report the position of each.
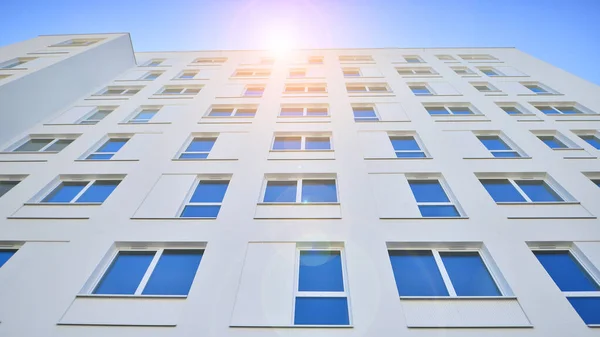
(339, 192)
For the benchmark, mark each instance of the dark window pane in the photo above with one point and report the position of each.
(493, 143)
(174, 273)
(592, 140)
(319, 191)
(569, 110)
(210, 191)
(125, 273)
(428, 191)
(65, 192)
(281, 191)
(468, 274)
(287, 143)
(321, 311)
(431, 211)
(317, 143)
(597, 182)
(438, 110)
(511, 154)
(416, 273)
(201, 145)
(59, 145)
(104, 156)
(99, 115)
(566, 272)
(5, 255)
(320, 270)
(6, 186)
(33, 145)
(196, 211)
(99, 191)
(547, 110)
(501, 190)
(538, 190)
(404, 143)
(512, 110)
(588, 308)
(552, 142)
(461, 111)
(410, 155)
(221, 112)
(193, 156)
(112, 145)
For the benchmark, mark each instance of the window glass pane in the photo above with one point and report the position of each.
(65, 192)
(538, 190)
(201, 145)
(254, 92)
(6, 186)
(99, 115)
(5, 255)
(59, 145)
(125, 273)
(510, 154)
(319, 191)
(552, 142)
(193, 156)
(547, 110)
(320, 270)
(33, 145)
(356, 88)
(112, 145)
(501, 190)
(588, 308)
(428, 191)
(364, 112)
(174, 273)
(566, 272)
(416, 273)
(592, 140)
(431, 211)
(317, 143)
(200, 211)
(569, 110)
(461, 111)
(316, 112)
(98, 156)
(404, 143)
(287, 143)
(536, 89)
(511, 110)
(99, 191)
(438, 110)
(220, 112)
(281, 191)
(597, 182)
(210, 191)
(245, 112)
(321, 311)
(291, 112)
(410, 154)
(145, 115)
(468, 274)
(493, 143)
(420, 90)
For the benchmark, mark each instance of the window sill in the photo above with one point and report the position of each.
(172, 218)
(458, 298)
(106, 160)
(301, 151)
(294, 326)
(545, 95)
(304, 94)
(29, 152)
(428, 218)
(249, 77)
(396, 158)
(569, 149)
(538, 203)
(240, 96)
(471, 158)
(299, 203)
(469, 75)
(305, 78)
(62, 204)
(372, 94)
(205, 159)
(149, 123)
(423, 76)
(358, 62)
(495, 94)
(130, 296)
(160, 96)
(189, 79)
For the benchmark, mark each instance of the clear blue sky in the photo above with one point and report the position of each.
(565, 33)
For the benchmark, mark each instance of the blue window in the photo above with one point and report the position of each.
(419, 273)
(108, 149)
(498, 147)
(460, 111)
(538, 190)
(596, 181)
(536, 89)
(144, 116)
(317, 143)
(566, 271)
(364, 114)
(588, 308)
(173, 274)
(206, 200)
(548, 110)
(281, 191)
(199, 148)
(508, 190)
(407, 147)
(5, 255)
(287, 143)
(502, 190)
(6, 186)
(489, 72)
(292, 111)
(592, 140)
(82, 191)
(437, 110)
(569, 110)
(321, 298)
(318, 191)
(420, 90)
(221, 112)
(553, 142)
(511, 110)
(432, 199)
(254, 91)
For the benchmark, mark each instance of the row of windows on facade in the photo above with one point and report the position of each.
(432, 196)
(321, 294)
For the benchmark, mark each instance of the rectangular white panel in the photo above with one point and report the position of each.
(376, 144)
(56, 211)
(73, 115)
(301, 155)
(513, 88)
(315, 72)
(132, 75)
(227, 146)
(457, 313)
(591, 250)
(298, 211)
(167, 114)
(370, 72)
(393, 196)
(509, 71)
(265, 295)
(124, 311)
(231, 90)
(443, 88)
(528, 210)
(205, 74)
(166, 197)
(467, 144)
(391, 112)
(136, 146)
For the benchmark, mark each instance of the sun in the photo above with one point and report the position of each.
(280, 42)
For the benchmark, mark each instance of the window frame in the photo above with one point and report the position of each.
(54, 139)
(491, 88)
(210, 60)
(10, 245)
(187, 71)
(248, 87)
(234, 111)
(319, 59)
(187, 201)
(182, 90)
(559, 137)
(88, 154)
(299, 183)
(254, 73)
(151, 62)
(366, 119)
(191, 139)
(141, 109)
(89, 182)
(305, 109)
(351, 70)
(468, 71)
(452, 201)
(415, 73)
(547, 90)
(554, 186)
(445, 57)
(502, 137)
(430, 92)
(16, 63)
(449, 106)
(367, 87)
(417, 140)
(477, 57)
(355, 58)
(85, 120)
(17, 179)
(303, 138)
(522, 110)
(125, 90)
(69, 43)
(556, 106)
(306, 88)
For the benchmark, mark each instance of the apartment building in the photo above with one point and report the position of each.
(334, 192)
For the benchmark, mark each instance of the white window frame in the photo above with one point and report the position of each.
(451, 199)
(415, 57)
(89, 183)
(486, 258)
(324, 294)
(468, 71)
(570, 145)
(448, 108)
(298, 181)
(587, 133)
(302, 142)
(355, 58)
(150, 63)
(416, 138)
(357, 70)
(556, 188)
(188, 197)
(425, 85)
(253, 73)
(365, 119)
(189, 142)
(311, 59)
(445, 57)
(234, 110)
(104, 266)
(492, 69)
(264, 87)
(54, 139)
(210, 60)
(305, 109)
(187, 71)
(106, 140)
(183, 90)
(512, 146)
(516, 106)
(125, 91)
(151, 73)
(548, 90)
(306, 88)
(297, 70)
(85, 120)
(477, 57)
(76, 43)
(16, 63)
(491, 88)
(414, 71)
(556, 106)
(132, 120)
(367, 87)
